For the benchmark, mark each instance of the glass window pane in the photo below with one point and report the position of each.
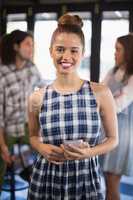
(45, 24)
(84, 69)
(46, 16)
(16, 21)
(114, 24)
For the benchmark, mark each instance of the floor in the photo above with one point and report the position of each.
(126, 191)
(126, 188)
(19, 194)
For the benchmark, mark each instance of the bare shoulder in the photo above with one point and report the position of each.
(36, 99)
(102, 93)
(36, 94)
(99, 88)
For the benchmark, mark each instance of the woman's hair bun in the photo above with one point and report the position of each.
(68, 19)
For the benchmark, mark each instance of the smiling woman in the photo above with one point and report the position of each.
(66, 52)
(70, 109)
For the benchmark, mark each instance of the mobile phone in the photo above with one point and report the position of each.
(76, 143)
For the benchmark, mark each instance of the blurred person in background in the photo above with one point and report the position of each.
(18, 77)
(120, 80)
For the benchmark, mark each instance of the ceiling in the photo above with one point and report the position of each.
(32, 2)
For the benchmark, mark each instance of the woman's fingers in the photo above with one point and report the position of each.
(71, 152)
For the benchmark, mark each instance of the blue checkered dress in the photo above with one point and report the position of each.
(65, 117)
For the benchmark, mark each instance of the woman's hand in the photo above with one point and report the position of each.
(118, 93)
(6, 156)
(72, 152)
(52, 153)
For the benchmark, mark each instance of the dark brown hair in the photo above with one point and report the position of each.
(7, 52)
(70, 24)
(127, 42)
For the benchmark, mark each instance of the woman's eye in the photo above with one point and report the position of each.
(74, 51)
(60, 50)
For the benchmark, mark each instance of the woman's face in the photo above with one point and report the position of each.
(119, 54)
(66, 52)
(25, 49)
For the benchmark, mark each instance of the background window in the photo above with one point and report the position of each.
(84, 69)
(114, 24)
(45, 24)
(16, 21)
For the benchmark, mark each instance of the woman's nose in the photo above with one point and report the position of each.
(67, 54)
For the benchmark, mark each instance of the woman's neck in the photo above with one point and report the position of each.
(67, 83)
(67, 80)
(122, 67)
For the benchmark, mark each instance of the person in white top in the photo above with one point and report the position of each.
(120, 80)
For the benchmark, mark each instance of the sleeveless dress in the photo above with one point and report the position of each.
(63, 117)
(119, 161)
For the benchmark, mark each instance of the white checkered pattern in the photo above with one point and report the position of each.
(65, 117)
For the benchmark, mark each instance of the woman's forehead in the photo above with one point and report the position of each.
(67, 38)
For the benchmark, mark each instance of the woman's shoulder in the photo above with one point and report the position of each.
(36, 99)
(101, 91)
(98, 87)
(37, 93)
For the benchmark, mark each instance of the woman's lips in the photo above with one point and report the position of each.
(66, 65)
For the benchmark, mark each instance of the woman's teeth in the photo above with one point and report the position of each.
(66, 65)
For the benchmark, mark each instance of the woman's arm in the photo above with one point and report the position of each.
(5, 154)
(4, 151)
(109, 119)
(50, 152)
(124, 97)
(107, 111)
(34, 104)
